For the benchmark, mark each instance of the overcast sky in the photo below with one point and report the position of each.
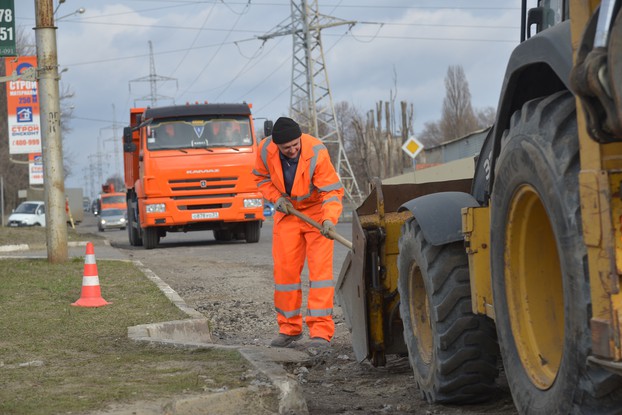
(210, 50)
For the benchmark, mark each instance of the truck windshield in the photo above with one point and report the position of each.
(206, 132)
(113, 199)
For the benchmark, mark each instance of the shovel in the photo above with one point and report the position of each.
(343, 241)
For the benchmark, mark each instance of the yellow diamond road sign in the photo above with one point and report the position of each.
(412, 147)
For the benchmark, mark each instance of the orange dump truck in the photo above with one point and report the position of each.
(110, 199)
(189, 168)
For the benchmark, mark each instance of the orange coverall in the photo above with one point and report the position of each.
(316, 192)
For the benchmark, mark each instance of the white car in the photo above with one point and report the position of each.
(31, 213)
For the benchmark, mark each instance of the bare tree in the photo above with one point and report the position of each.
(408, 115)
(432, 134)
(373, 142)
(485, 117)
(24, 42)
(458, 117)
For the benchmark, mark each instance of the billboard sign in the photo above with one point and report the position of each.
(23, 108)
(7, 28)
(35, 168)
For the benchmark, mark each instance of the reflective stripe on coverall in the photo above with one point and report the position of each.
(316, 192)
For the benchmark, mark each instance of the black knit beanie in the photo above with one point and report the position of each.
(285, 130)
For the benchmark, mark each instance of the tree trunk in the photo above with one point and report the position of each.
(389, 140)
(404, 159)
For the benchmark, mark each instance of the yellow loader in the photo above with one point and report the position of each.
(522, 262)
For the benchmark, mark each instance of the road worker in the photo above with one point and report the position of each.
(293, 170)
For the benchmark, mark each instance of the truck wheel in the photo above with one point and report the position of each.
(150, 237)
(252, 230)
(452, 351)
(539, 266)
(132, 225)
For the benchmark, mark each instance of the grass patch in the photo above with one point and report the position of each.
(56, 358)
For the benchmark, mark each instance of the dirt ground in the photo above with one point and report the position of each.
(235, 292)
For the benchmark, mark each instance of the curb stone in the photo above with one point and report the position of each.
(194, 333)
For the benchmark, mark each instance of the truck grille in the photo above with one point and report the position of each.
(193, 194)
(205, 207)
(201, 184)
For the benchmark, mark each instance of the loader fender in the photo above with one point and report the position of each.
(439, 215)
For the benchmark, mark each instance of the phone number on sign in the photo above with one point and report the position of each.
(28, 142)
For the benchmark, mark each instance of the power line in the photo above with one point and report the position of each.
(328, 5)
(209, 13)
(247, 67)
(210, 29)
(258, 84)
(173, 51)
(214, 55)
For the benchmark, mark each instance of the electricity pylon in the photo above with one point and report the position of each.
(311, 101)
(116, 142)
(153, 80)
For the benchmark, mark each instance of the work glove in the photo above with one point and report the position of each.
(283, 204)
(327, 227)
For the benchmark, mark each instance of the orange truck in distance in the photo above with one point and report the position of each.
(110, 199)
(189, 168)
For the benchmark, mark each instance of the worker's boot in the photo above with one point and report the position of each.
(317, 343)
(284, 340)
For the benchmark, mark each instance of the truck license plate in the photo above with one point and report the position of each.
(205, 215)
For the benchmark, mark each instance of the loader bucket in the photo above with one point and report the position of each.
(366, 288)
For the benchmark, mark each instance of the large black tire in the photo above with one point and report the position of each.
(132, 227)
(453, 352)
(539, 266)
(151, 238)
(252, 231)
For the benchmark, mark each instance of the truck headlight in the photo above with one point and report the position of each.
(156, 208)
(252, 203)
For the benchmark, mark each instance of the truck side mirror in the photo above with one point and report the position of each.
(267, 128)
(128, 145)
(127, 135)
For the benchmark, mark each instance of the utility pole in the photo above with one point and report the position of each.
(52, 149)
(311, 101)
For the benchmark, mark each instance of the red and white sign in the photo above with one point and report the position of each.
(35, 167)
(23, 108)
